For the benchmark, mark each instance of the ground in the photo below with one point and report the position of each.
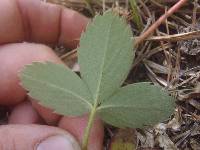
(169, 57)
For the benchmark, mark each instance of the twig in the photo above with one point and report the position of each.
(142, 37)
(194, 14)
(176, 37)
(69, 54)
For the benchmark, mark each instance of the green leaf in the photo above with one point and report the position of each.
(57, 87)
(137, 105)
(105, 55)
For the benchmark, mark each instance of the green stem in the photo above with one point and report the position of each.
(89, 126)
(88, 3)
(136, 15)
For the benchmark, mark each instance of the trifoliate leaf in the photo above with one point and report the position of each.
(57, 87)
(137, 105)
(105, 55)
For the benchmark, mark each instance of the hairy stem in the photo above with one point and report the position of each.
(89, 126)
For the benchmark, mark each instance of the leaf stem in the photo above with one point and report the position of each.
(89, 126)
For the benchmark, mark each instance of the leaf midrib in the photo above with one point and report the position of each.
(59, 88)
(120, 106)
(103, 64)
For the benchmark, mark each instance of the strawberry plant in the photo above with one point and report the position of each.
(105, 57)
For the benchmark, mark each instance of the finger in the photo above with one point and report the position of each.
(77, 125)
(37, 21)
(24, 113)
(35, 137)
(13, 57)
(46, 113)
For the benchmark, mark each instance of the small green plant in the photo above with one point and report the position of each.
(136, 15)
(105, 57)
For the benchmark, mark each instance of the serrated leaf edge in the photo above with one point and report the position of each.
(102, 66)
(23, 74)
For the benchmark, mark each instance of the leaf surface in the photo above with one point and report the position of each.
(57, 87)
(137, 105)
(105, 55)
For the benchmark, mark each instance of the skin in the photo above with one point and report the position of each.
(25, 27)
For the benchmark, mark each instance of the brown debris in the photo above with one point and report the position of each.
(170, 58)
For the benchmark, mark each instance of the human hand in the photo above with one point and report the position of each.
(37, 22)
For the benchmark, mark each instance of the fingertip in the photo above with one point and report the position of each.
(46, 113)
(72, 26)
(24, 113)
(13, 58)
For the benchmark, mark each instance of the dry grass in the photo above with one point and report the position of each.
(170, 58)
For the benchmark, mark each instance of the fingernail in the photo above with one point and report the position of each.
(59, 142)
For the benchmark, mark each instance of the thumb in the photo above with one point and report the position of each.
(35, 137)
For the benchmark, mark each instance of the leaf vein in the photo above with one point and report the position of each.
(119, 106)
(59, 88)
